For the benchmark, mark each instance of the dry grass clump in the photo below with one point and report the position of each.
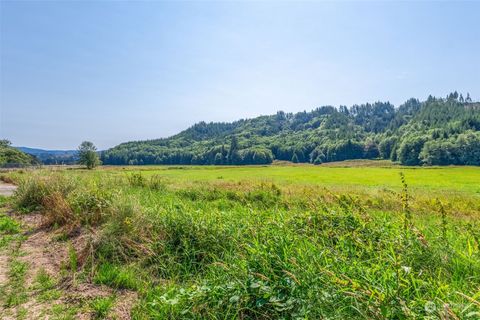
(64, 201)
(57, 212)
(33, 190)
(6, 179)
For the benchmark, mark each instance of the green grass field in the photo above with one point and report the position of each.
(273, 242)
(454, 179)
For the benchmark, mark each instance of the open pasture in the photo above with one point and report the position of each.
(453, 179)
(271, 242)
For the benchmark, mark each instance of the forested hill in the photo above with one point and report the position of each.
(434, 132)
(11, 157)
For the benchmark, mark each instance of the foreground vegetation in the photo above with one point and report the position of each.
(270, 242)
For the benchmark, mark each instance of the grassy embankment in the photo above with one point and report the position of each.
(272, 242)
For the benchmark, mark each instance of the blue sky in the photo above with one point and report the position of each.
(112, 72)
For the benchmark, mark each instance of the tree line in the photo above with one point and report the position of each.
(437, 131)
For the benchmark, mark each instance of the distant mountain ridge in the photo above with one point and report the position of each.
(35, 151)
(438, 131)
(51, 156)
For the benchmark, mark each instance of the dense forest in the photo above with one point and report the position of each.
(12, 157)
(438, 131)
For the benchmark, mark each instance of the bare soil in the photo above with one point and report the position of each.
(43, 252)
(7, 189)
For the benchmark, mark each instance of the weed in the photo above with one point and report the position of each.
(102, 306)
(64, 312)
(157, 183)
(72, 261)
(14, 293)
(91, 204)
(21, 313)
(115, 276)
(9, 231)
(45, 286)
(6, 178)
(8, 225)
(136, 180)
(3, 200)
(444, 222)
(407, 218)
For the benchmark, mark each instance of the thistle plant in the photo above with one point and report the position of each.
(443, 215)
(407, 217)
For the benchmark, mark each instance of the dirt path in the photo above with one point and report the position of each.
(36, 281)
(7, 189)
(3, 269)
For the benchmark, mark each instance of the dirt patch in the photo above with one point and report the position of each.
(41, 254)
(123, 305)
(42, 251)
(7, 189)
(3, 268)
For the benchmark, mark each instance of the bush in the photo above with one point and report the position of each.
(128, 233)
(137, 180)
(386, 147)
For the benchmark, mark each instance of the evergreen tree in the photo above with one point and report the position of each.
(468, 99)
(218, 159)
(233, 154)
(295, 158)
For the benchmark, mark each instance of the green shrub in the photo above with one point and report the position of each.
(8, 225)
(137, 180)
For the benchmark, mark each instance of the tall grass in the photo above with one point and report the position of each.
(63, 200)
(258, 250)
